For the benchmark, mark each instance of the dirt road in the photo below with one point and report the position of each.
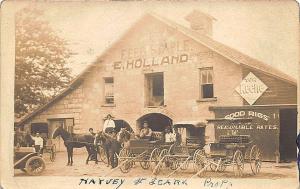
(79, 168)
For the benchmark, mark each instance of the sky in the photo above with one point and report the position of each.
(265, 30)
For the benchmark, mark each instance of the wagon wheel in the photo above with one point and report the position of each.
(184, 150)
(145, 163)
(221, 167)
(255, 159)
(199, 160)
(160, 162)
(123, 156)
(154, 158)
(166, 160)
(35, 165)
(174, 164)
(185, 165)
(102, 155)
(53, 153)
(238, 163)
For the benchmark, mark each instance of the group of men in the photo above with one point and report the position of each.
(109, 130)
(169, 135)
(172, 137)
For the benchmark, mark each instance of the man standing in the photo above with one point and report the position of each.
(178, 139)
(93, 149)
(91, 131)
(38, 143)
(109, 124)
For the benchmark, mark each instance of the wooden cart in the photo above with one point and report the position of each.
(180, 156)
(51, 149)
(231, 150)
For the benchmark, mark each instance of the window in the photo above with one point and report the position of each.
(154, 89)
(109, 90)
(206, 83)
(158, 85)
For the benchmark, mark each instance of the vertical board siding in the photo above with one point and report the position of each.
(278, 92)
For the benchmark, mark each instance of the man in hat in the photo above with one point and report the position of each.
(109, 124)
(145, 132)
(91, 131)
(38, 143)
(115, 147)
(178, 137)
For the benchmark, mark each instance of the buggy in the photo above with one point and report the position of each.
(180, 156)
(231, 150)
(50, 148)
(146, 152)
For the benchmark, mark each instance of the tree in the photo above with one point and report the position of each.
(41, 57)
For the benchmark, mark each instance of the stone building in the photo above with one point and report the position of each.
(162, 72)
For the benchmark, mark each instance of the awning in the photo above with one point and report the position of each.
(244, 120)
(185, 124)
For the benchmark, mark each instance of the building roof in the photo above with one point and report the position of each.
(229, 53)
(225, 51)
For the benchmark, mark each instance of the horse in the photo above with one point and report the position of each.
(104, 141)
(74, 141)
(111, 146)
(124, 137)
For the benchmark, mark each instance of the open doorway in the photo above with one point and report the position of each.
(154, 89)
(288, 134)
(41, 128)
(156, 121)
(120, 123)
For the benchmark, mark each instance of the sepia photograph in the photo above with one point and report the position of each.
(196, 94)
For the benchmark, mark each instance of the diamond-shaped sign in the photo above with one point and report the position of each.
(251, 88)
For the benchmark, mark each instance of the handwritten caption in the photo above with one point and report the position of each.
(118, 182)
(223, 183)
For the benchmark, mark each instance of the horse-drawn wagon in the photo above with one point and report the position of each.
(146, 152)
(143, 151)
(231, 150)
(50, 148)
(180, 155)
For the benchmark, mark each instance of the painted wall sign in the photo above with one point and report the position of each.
(144, 63)
(246, 127)
(247, 113)
(156, 49)
(251, 88)
(160, 53)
